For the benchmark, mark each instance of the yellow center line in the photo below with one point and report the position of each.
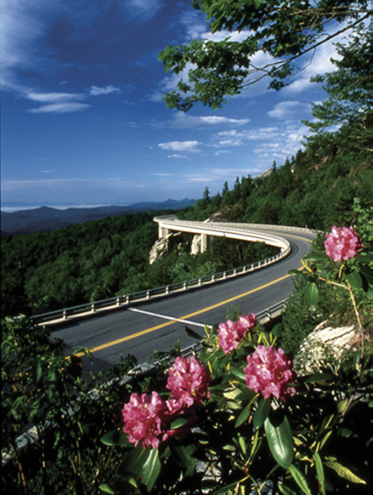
(190, 315)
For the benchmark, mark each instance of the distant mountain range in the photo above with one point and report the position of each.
(46, 218)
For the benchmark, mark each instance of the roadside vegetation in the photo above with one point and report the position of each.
(242, 414)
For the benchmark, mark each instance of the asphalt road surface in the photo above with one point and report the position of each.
(152, 325)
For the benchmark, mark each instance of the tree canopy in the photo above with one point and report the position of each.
(212, 70)
(349, 89)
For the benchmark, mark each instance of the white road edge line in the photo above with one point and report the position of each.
(164, 317)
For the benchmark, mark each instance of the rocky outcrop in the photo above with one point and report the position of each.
(159, 249)
(324, 348)
(196, 245)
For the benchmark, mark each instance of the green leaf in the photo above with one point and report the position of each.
(116, 437)
(262, 412)
(355, 280)
(37, 371)
(107, 489)
(286, 490)
(344, 472)
(224, 490)
(178, 423)
(183, 457)
(243, 416)
(280, 441)
(319, 471)
(151, 469)
(143, 464)
(316, 257)
(300, 479)
(277, 329)
(239, 373)
(370, 293)
(311, 295)
(320, 377)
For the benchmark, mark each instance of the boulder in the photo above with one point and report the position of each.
(324, 348)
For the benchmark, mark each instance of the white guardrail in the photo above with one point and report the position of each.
(241, 231)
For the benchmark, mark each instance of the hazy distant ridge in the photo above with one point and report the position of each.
(46, 218)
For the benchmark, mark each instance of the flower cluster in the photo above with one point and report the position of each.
(342, 243)
(232, 332)
(147, 419)
(270, 371)
(188, 381)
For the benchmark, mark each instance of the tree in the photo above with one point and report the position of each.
(282, 30)
(206, 195)
(225, 188)
(349, 102)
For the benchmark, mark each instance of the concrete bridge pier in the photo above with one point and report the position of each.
(204, 243)
(162, 231)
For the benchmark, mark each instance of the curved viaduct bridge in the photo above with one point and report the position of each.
(157, 323)
(246, 232)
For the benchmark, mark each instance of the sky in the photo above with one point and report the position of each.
(83, 121)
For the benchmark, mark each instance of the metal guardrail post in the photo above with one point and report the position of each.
(64, 314)
(93, 307)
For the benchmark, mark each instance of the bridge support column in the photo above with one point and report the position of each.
(203, 243)
(162, 231)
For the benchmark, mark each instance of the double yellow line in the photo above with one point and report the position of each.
(184, 317)
(190, 315)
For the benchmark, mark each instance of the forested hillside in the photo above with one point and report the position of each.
(316, 189)
(103, 258)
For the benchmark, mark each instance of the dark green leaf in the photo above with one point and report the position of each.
(311, 295)
(224, 490)
(286, 490)
(243, 416)
(115, 437)
(280, 441)
(316, 257)
(239, 373)
(355, 280)
(320, 377)
(178, 423)
(262, 412)
(300, 479)
(183, 457)
(150, 469)
(37, 371)
(319, 472)
(276, 330)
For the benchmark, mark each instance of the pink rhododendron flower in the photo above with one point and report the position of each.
(342, 243)
(269, 371)
(231, 333)
(188, 380)
(144, 418)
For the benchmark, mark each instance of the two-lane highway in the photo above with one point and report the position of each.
(156, 325)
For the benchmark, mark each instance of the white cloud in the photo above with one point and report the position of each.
(176, 155)
(186, 121)
(96, 91)
(54, 97)
(180, 146)
(290, 110)
(60, 108)
(144, 8)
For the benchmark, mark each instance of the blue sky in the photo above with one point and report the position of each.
(83, 121)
